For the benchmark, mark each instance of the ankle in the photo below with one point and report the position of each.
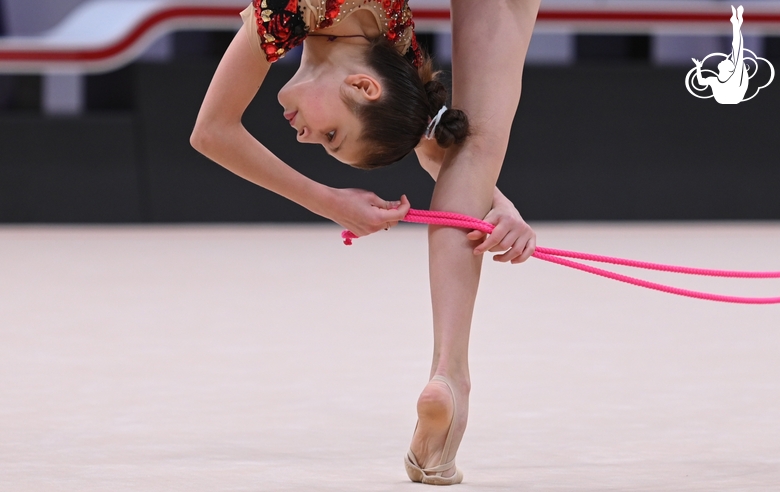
(460, 380)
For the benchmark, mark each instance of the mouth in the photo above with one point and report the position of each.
(290, 116)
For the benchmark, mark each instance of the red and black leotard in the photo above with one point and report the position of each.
(281, 25)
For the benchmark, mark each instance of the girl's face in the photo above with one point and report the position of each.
(316, 110)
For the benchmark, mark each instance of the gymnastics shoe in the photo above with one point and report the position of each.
(433, 475)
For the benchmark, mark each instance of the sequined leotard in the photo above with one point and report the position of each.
(277, 26)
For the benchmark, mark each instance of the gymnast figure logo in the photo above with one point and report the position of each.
(730, 84)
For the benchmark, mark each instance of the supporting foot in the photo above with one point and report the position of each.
(431, 457)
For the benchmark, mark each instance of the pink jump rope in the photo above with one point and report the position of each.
(554, 256)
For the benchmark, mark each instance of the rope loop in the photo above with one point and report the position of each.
(558, 256)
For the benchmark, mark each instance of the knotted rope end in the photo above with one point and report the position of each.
(348, 236)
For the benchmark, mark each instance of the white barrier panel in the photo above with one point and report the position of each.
(103, 35)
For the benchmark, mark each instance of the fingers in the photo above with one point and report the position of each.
(381, 214)
(530, 247)
(521, 250)
(491, 240)
(379, 202)
(402, 204)
(395, 212)
(512, 255)
(500, 239)
(476, 235)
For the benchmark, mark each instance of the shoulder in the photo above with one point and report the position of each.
(400, 30)
(397, 25)
(280, 26)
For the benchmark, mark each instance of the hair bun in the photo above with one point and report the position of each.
(453, 128)
(437, 96)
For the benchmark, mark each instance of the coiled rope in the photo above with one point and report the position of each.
(558, 256)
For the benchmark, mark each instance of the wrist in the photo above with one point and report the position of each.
(324, 201)
(498, 197)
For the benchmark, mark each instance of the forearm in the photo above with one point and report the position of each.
(235, 149)
(220, 135)
(500, 198)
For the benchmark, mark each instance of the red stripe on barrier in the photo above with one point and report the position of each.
(124, 44)
(106, 53)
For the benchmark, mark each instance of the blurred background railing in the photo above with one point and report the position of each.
(97, 98)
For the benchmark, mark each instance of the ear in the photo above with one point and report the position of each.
(364, 86)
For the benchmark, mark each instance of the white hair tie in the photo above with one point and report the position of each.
(429, 133)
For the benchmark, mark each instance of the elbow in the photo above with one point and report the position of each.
(201, 139)
(212, 138)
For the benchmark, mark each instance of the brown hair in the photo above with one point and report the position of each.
(394, 125)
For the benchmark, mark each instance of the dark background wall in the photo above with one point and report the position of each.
(591, 142)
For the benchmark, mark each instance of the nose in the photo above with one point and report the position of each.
(305, 136)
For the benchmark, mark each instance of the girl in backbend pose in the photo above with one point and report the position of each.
(731, 84)
(366, 93)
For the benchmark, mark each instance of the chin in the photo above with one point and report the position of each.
(350, 164)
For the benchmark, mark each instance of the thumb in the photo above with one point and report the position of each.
(399, 212)
(474, 235)
(405, 206)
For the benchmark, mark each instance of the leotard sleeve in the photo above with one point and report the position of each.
(250, 26)
(275, 27)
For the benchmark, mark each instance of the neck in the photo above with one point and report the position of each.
(321, 55)
(346, 53)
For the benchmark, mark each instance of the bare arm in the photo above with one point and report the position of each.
(220, 135)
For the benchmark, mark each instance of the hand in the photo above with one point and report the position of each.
(364, 213)
(511, 235)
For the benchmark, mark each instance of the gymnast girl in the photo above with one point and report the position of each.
(366, 92)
